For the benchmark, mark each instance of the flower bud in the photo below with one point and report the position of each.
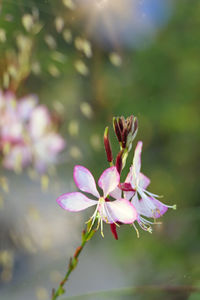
(114, 230)
(107, 146)
(117, 130)
(125, 130)
(119, 162)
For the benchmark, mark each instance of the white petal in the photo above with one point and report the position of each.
(40, 122)
(85, 181)
(26, 106)
(137, 159)
(149, 206)
(116, 193)
(75, 201)
(141, 206)
(120, 210)
(109, 180)
(144, 181)
(128, 195)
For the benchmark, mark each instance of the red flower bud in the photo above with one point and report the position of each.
(107, 146)
(117, 130)
(113, 229)
(118, 163)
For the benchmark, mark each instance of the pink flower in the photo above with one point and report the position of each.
(18, 157)
(26, 106)
(40, 122)
(27, 133)
(44, 139)
(51, 143)
(146, 203)
(120, 210)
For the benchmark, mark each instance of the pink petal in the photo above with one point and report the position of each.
(116, 193)
(18, 155)
(149, 206)
(85, 181)
(144, 181)
(128, 195)
(55, 143)
(161, 208)
(40, 122)
(131, 177)
(75, 201)
(139, 205)
(109, 180)
(26, 106)
(120, 210)
(137, 158)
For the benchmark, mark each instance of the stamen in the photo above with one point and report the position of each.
(102, 228)
(156, 222)
(137, 231)
(156, 211)
(171, 206)
(109, 215)
(93, 218)
(144, 227)
(146, 221)
(99, 219)
(153, 195)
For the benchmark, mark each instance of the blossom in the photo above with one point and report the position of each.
(27, 134)
(44, 139)
(119, 210)
(145, 202)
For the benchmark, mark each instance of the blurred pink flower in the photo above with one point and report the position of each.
(17, 158)
(28, 134)
(120, 210)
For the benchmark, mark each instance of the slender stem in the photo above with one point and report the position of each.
(86, 236)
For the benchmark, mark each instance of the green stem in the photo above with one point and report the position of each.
(86, 236)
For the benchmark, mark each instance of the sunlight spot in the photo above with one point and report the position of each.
(59, 24)
(27, 21)
(73, 128)
(50, 41)
(86, 110)
(67, 35)
(81, 67)
(41, 293)
(75, 152)
(2, 35)
(53, 70)
(69, 4)
(115, 59)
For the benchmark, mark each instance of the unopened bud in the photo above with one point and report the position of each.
(113, 229)
(121, 122)
(117, 130)
(119, 163)
(124, 138)
(107, 145)
(132, 126)
(125, 130)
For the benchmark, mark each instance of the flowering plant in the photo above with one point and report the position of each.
(27, 134)
(122, 202)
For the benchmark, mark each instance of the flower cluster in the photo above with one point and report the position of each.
(28, 134)
(122, 202)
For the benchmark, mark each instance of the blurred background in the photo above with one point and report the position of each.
(86, 61)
